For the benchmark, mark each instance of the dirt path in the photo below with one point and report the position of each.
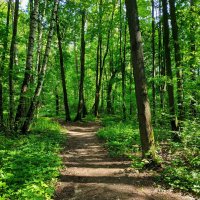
(91, 175)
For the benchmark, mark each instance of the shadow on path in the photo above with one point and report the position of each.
(90, 174)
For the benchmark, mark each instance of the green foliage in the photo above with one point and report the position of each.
(181, 161)
(183, 170)
(121, 138)
(29, 164)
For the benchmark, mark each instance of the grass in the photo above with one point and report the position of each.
(180, 161)
(29, 164)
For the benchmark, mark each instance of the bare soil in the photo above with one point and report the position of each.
(90, 174)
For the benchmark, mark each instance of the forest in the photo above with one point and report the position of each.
(99, 99)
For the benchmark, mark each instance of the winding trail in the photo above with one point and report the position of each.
(89, 173)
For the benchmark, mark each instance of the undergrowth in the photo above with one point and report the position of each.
(181, 161)
(121, 138)
(29, 164)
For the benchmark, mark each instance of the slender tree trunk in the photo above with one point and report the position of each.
(144, 113)
(57, 101)
(35, 99)
(11, 64)
(109, 93)
(177, 59)
(170, 87)
(97, 78)
(99, 61)
(2, 64)
(81, 103)
(102, 61)
(131, 90)
(123, 61)
(193, 110)
(160, 59)
(153, 60)
(62, 70)
(21, 110)
(40, 36)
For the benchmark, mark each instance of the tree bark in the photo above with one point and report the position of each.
(109, 92)
(57, 101)
(62, 70)
(2, 64)
(177, 60)
(170, 87)
(144, 113)
(21, 110)
(102, 60)
(153, 60)
(40, 36)
(123, 62)
(81, 104)
(162, 70)
(193, 110)
(11, 64)
(39, 87)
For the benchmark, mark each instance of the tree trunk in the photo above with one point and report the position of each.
(170, 87)
(21, 110)
(153, 60)
(62, 70)
(40, 36)
(193, 110)
(131, 90)
(57, 101)
(81, 104)
(177, 60)
(109, 92)
(35, 99)
(162, 71)
(102, 61)
(144, 113)
(123, 62)
(2, 64)
(11, 64)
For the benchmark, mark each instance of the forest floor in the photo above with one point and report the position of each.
(90, 174)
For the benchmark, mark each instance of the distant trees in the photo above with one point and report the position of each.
(109, 69)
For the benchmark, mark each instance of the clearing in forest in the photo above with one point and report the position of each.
(90, 174)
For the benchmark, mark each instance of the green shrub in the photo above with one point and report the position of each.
(121, 138)
(183, 170)
(29, 164)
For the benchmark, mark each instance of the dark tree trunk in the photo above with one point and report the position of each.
(170, 87)
(81, 104)
(2, 64)
(122, 62)
(21, 110)
(62, 70)
(162, 71)
(98, 62)
(11, 64)
(57, 101)
(193, 110)
(144, 113)
(177, 60)
(153, 60)
(131, 90)
(102, 61)
(109, 93)
(35, 99)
